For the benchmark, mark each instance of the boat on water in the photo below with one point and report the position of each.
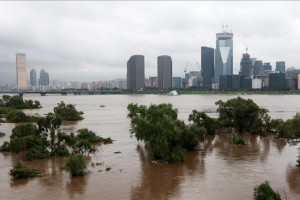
(102, 106)
(173, 93)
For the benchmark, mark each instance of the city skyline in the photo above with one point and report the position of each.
(84, 41)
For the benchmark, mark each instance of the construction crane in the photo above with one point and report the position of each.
(185, 80)
(199, 67)
(186, 67)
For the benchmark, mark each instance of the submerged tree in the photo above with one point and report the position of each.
(43, 139)
(18, 102)
(203, 120)
(163, 134)
(21, 172)
(76, 165)
(242, 114)
(67, 112)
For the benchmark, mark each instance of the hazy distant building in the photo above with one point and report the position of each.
(223, 55)
(258, 68)
(246, 66)
(280, 66)
(256, 83)
(44, 78)
(136, 72)
(176, 82)
(21, 71)
(246, 82)
(230, 82)
(267, 67)
(33, 79)
(207, 66)
(153, 81)
(164, 72)
(277, 81)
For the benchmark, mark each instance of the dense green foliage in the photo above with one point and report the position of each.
(76, 165)
(236, 140)
(21, 172)
(244, 115)
(203, 120)
(67, 112)
(43, 139)
(18, 102)
(163, 134)
(17, 116)
(265, 192)
(2, 134)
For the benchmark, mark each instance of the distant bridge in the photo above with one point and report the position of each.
(64, 92)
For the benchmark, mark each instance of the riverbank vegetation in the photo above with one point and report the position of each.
(166, 137)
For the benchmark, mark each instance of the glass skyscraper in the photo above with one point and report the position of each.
(164, 72)
(280, 66)
(44, 78)
(223, 55)
(33, 80)
(207, 66)
(136, 72)
(246, 69)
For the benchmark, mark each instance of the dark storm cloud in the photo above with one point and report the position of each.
(93, 40)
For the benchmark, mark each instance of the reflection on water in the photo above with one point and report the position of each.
(76, 185)
(293, 178)
(218, 170)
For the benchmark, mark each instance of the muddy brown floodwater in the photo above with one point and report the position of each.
(219, 171)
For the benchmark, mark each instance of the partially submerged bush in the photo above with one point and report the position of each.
(265, 192)
(237, 141)
(76, 165)
(16, 116)
(20, 172)
(67, 112)
(2, 134)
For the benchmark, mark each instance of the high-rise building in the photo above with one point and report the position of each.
(164, 72)
(230, 82)
(207, 66)
(246, 69)
(267, 67)
(258, 68)
(223, 55)
(280, 66)
(44, 78)
(277, 81)
(21, 71)
(176, 82)
(33, 80)
(136, 72)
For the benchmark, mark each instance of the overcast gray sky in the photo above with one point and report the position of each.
(90, 41)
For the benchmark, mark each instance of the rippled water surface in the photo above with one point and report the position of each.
(219, 171)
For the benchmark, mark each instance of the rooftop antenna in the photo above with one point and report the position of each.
(223, 28)
(245, 46)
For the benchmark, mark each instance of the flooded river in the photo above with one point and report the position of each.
(219, 171)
